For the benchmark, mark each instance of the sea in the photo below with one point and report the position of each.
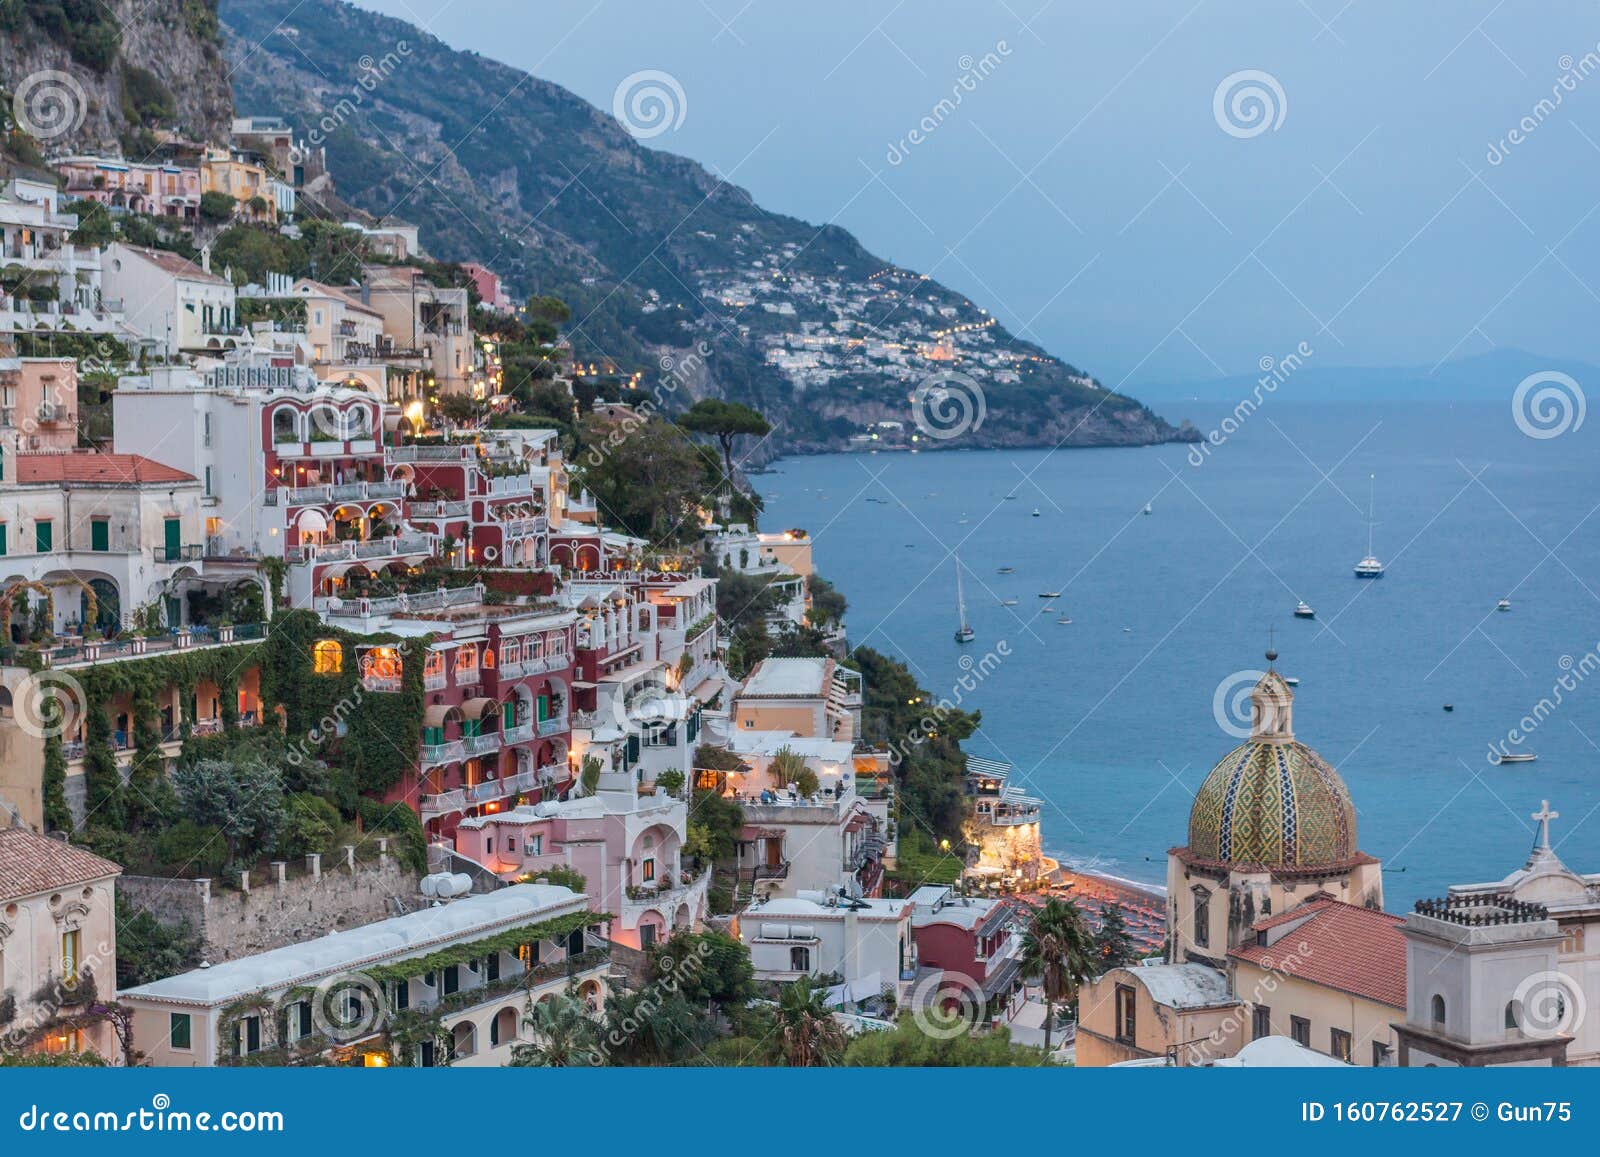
(1114, 718)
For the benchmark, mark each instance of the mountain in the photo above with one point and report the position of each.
(668, 269)
(1490, 376)
(104, 74)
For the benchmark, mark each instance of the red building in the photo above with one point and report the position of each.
(976, 942)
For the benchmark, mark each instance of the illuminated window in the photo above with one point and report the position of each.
(433, 669)
(381, 669)
(467, 660)
(648, 871)
(327, 657)
(71, 945)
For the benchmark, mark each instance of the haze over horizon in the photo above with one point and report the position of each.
(1084, 189)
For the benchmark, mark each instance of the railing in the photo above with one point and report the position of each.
(521, 527)
(481, 744)
(553, 726)
(521, 733)
(127, 646)
(773, 871)
(433, 600)
(362, 549)
(438, 510)
(447, 453)
(511, 484)
(342, 492)
(437, 753)
(539, 664)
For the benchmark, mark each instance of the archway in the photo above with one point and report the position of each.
(107, 615)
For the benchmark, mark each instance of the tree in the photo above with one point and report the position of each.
(811, 1037)
(216, 206)
(148, 950)
(706, 967)
(645, 477)
(458, 408)
(648, 1028)
(244, 799)
(1113, 946)
(1058, 948)
(907, 1046)
(786, 766)
(564, 1035)
(714, 823)
(725, 421)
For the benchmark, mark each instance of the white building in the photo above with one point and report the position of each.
(1503, 973)
(49, 283)
(179, 306)
(866, 942)
(335, 995)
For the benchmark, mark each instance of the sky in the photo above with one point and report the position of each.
(1388, 189)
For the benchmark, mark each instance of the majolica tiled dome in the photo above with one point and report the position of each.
(1272, 800)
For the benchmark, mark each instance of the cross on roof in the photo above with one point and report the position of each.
(1544, 815)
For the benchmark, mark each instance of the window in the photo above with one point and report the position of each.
(491, 968)
(400, 995)
(43, 536)
(533, 846)
(1511, 1015)
(180, 1031)
(206, 427)
(1202, 918)
(1260, 1022)
(302, 1011)
(100, 535)
(647, 871)
(1380, 1054)
(3, 545)
(466, 661)
(208, 482)
(250, 1035)
(1300, 1030)
(1126, 1025)
(327, 657)
(452, 979)
(71, 946)
(799, 959)
(528, 954)
(1340, 1044)
(1438, 1011)
(647, 936)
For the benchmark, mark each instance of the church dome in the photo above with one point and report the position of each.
(1273, 801)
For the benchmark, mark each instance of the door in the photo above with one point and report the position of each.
(174, 539)
(100, 535)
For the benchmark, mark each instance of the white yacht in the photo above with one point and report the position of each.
(964, 633)
(1369, 567)
(1304, 611)
(1503, 605)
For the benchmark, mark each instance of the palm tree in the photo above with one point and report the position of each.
(1058, 948)
(811, 1037)
(564, 1035)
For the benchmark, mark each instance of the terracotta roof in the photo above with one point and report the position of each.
(1341, 946)
(351, 301)
(175, 264)
(31, 863)
(95, 468)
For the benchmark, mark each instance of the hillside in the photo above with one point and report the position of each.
(656, 255)
(106, 74)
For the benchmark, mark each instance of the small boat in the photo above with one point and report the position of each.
(964, 632)
(1064, 620)
(1292, 680)
(1147, 509)
(1037, 512)
(1449, 706)
(1516, 757)
(1304, 611)
(1008, 602)
(1011, 497)
(1006, 570)
(1127, 630)
(1503, 605)
(1049, 594)
(1369, 567)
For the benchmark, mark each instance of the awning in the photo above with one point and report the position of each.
(312, 522)
(855, 991)
(474, 708)
(857, 822)
(750, 833)
(434, 715)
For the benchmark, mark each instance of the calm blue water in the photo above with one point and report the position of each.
(1110, 719)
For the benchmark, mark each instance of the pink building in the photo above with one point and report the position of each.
(628, 848)
(38, 404)
(161, 190)
(490, 291)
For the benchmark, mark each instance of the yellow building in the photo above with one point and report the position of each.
(814, 698)
(244, 181)
(1173, 1014)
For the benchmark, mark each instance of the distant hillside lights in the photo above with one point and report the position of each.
(373, 73)
(675, 373)
(973, 73)
(1274, 372)
(927, 727)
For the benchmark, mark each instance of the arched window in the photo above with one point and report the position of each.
(285, 425)
(1438, 1011)
(327, 657)
(1511, 1014)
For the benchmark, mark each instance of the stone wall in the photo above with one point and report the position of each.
(256, 915)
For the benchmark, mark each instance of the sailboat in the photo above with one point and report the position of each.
(1369, 567)
(964, 633)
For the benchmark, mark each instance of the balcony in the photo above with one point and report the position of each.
(395, 546)
(511, 484)
(449, 453)
(522, 527)
(433, 600)
(778, 871)
(521, 733)
(438, 510)
(481, 744)
(554, 726)
(434, 754)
